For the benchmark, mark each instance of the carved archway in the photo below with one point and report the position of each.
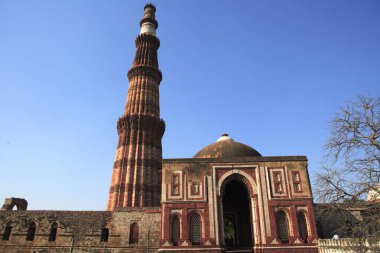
(238, 175)
(237, 195)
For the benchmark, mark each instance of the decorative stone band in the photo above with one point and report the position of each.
(149, 20)
(141, 122)
(145, 70)
(146, 37)
(138, 187)
(145, 162)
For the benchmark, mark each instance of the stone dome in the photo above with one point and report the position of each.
(224, 147)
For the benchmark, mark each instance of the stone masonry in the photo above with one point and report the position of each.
(136, 178)
(80, 231)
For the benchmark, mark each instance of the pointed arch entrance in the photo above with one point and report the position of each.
(236, 212)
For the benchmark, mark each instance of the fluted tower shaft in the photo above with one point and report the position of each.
(136, 177)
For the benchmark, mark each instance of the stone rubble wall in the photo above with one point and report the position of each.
(80, 231)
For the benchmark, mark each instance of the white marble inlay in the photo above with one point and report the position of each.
(148, 28)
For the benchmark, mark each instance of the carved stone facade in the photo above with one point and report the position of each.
(227, 198)
(212, 187)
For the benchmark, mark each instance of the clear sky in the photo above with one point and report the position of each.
(269, 73)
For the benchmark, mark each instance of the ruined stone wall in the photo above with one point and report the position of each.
(10, 203)
(80, 231)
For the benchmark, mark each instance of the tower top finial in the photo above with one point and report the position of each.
(151, 6)
(149, 23)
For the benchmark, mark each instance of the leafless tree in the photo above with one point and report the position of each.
(352, 167)
(354, 146)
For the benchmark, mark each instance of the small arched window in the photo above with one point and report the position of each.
(134, 233)
(7, 231)
(282, 226)
(53, 232)
(195, 228)
(31, 231)
(175, 230)
(104, 235)
(302, 226)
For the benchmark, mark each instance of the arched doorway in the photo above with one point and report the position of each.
(236, 216)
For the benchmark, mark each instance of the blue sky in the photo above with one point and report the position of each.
(269, 73)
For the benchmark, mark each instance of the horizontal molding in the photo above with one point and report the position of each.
(143, 162)
(145, 70)
(141, 122)
(129, 187)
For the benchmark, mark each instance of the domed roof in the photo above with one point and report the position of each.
(225, 146)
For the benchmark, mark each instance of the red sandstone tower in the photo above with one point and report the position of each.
(136, 177)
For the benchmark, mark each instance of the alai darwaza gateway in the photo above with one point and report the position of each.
(229, 195)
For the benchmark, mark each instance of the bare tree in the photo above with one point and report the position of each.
(352, 167)
(354, 145)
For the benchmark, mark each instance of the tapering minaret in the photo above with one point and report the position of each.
(136, 177)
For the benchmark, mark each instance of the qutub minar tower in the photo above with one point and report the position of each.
(136, 177)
